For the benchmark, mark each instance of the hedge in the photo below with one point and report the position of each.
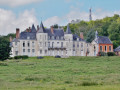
(21, 57)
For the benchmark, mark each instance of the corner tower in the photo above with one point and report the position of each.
(42, 40)
(69, 41)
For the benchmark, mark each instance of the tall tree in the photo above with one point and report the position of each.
(4, 48)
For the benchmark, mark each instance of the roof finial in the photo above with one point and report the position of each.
(90, 16)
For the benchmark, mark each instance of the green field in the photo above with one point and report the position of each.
(74, 73)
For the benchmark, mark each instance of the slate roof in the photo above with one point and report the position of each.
(15, 40)
(33, 29)
(41, 29)
(57, 32)
(75, 36)
(103, 40)
(117, 49)
(68, 31)
(25, 35)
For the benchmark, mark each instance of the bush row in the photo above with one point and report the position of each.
(21, 57)
(106, 54)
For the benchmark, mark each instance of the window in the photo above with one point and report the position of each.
(45, 51)
(23, 50)
(28, 37)
(33, 50)
(100, 48)
(110, 48)
(29, 50)
(81, 45)
(45, 44)
(105, 48)
(52, 37)
(16, 53)
(57, 42)
(87, 45)
(77, 44)
(58, 37)
(40, 36)
(40, 51)
(48, 44)
(28, 44)
(61, 44)
(73, 44)
(33, 44)
(40, 44)
(23, 44)
(45, 37)
(52, 44)
(15, 43)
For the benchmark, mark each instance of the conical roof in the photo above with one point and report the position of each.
(68, 31)
(41, 29)
(33, 28)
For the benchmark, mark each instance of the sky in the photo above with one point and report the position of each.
(23, 13)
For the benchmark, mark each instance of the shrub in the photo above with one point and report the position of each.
(111, 54)
(21, 57)
(102, 54)
(89, 84)
(3, 64)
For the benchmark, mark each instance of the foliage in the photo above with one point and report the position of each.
(21, 57)
(102, 54)
(90, 36)
(108, 26)
(111, 54)
(4, 48)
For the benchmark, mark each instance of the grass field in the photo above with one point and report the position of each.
(74, 73)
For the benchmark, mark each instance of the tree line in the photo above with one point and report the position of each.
(108, 26)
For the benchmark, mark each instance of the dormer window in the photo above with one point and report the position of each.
(28, 37)
(52, 37)
(57, 37)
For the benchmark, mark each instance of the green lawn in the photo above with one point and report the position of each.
(74, 73)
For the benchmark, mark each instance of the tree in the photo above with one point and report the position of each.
(55, 26)
(4, 48)
(90, 36)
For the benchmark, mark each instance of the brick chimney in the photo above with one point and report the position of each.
(81, 35)
(11, 39)
(52, 30)
(37, 28)
(17, 33)
(27, 30)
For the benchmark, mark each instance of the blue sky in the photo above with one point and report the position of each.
(22, 14)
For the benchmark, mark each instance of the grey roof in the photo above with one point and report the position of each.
(57, 32)
(26, 35)
(68, 31)
(117, 49)
(75, 37)
(33, 29)
(41, 29)
(103, 40)
(15, 40)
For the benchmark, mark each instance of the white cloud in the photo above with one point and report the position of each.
(9, 21)
(17, 2)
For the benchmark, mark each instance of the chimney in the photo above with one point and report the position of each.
(10, 38)
(52, 30)
(27, 30)
(17, 33)
(81, 35)
(37, 28)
